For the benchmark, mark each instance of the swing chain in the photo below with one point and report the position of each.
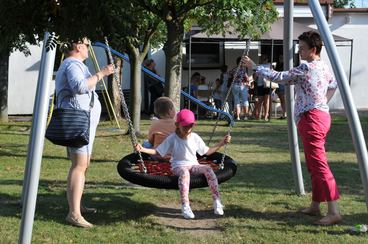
(245, 53)
(131, 130)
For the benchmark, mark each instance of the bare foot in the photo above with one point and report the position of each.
(329, 220)
(311, 211)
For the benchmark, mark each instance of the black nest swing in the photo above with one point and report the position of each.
(158, 173)
(160, 176)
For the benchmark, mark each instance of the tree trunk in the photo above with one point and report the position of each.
(4, 65)
(173, 52)
(114, 89)
(135, 87)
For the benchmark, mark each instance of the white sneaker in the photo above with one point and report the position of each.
(245, 118)
(187, 212)
(218, 207)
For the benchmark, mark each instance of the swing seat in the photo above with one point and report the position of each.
(159, 173)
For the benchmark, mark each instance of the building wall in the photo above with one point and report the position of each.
(352, 26)
(23, 75)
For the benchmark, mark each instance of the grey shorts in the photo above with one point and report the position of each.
(95, 119)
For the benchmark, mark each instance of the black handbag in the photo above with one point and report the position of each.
(69, 126)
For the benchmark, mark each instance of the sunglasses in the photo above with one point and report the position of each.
(87, 44)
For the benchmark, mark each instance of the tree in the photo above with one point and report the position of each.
(213, 16)
(19, 20)
(129, 28)
(344, 3)
(24, 22)
(134, 30)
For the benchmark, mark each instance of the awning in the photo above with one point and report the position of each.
(276, 33)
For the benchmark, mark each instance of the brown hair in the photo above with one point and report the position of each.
(162, 106)
(313, 39)
(66, 47)
(148, 62)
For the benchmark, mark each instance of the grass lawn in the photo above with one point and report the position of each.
(260, 200)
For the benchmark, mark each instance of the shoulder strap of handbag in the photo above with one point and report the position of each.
(91, 103)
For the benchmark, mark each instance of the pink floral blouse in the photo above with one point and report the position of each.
(311, 80)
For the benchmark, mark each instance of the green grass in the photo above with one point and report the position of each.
(260, 200)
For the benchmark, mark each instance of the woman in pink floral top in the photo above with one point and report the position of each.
(314, 86)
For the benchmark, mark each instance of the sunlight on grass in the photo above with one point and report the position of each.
(260, 200)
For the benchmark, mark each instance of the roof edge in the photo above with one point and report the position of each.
(304, 2)
(350, 10)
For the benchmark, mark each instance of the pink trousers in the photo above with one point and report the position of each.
(313, 128)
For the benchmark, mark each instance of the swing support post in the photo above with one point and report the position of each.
(347, 98)
(288, 64)
(36, 143)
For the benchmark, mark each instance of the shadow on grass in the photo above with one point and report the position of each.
(49, 185)
(111, 207)
(292, 219)
(205, 220)
(20, 150)
(13, 149)
(279, 176)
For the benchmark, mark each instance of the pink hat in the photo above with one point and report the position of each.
(185, 117)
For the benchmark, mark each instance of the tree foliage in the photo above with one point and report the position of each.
(132, 29)
(344, 3)
(247, 17)
(19, 21)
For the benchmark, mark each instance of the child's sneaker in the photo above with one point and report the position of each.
(187, 212)
(218, 207)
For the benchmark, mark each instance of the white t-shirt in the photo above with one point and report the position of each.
(183, 151)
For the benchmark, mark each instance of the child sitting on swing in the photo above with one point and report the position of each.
(165, 125)
(183, 146)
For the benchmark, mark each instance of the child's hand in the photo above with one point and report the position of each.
(138, 147)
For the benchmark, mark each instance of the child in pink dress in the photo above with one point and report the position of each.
(183, 146)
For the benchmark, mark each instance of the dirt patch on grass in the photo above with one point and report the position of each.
(205, 221)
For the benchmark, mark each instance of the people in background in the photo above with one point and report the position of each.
(154, 86)
(239, 78)
(224, 77)
(203, 86)
(194, 83)
(280, 91)
(263, 93)
(217, 93)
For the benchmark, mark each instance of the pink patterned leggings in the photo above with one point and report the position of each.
(184, 179)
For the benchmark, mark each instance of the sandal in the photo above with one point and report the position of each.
(79, 222)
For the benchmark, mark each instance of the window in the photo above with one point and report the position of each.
(204, 55)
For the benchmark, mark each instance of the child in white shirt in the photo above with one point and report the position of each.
(183, 146)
